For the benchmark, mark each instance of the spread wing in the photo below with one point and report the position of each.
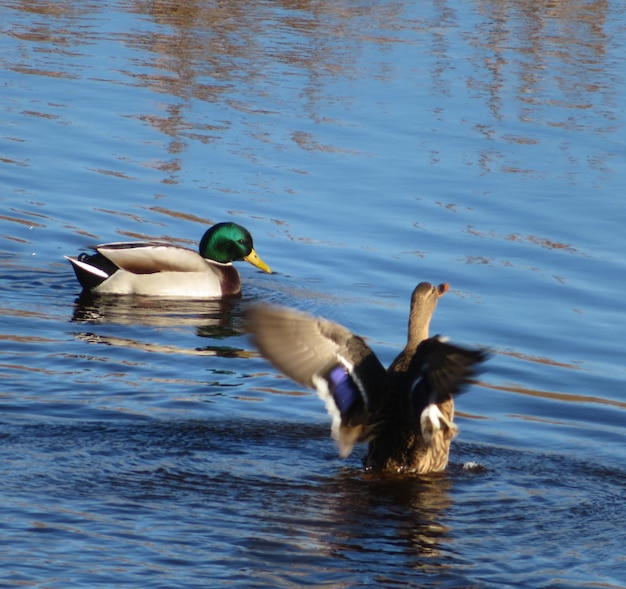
(324, 356)
(438, 371)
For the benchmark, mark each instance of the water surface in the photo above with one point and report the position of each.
(367, 147)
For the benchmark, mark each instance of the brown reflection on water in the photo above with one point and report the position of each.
(60, 34)
(192, 240)
(539, 359)
(230, 52)
(564, 397)
(539, 241)
(27, 222)
(409, 509)
(28, 339)
(553, 55)
(273, 391)
(182, 215)
(543, 242)
(555, 396)
(542, 31)
(13, 312)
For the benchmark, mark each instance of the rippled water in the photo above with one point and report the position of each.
(367, 146)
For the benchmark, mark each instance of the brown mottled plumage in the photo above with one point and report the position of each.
(406, 412)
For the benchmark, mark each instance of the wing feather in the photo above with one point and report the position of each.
(149, 257)
(324, 356)
(440, 370)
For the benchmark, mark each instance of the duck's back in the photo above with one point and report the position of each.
(416, 415)
(397, 433)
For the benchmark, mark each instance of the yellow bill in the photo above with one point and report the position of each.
(253, 258)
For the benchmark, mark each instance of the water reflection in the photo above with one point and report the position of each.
(108, 435)
(555, 396)
(227, 54)
(403, 513)
(270, 470)
(125, 342)
(100, 309)
(555, 56)
(218, 319)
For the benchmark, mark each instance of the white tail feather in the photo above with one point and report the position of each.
(87, 267)
(432, 420)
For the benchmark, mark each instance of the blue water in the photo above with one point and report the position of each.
(367, 147)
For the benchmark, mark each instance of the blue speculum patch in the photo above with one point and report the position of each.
(345, 392)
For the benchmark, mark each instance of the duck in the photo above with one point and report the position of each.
(405, 413)
(159, 268)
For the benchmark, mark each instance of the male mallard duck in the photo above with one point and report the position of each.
(405, 412)
(159, 268)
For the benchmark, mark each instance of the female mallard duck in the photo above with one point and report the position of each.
(159, 268)
(405, 412)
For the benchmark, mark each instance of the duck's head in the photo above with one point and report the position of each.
(230, 242)
(423, 303)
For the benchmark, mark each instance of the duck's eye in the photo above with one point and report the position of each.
(241, 241)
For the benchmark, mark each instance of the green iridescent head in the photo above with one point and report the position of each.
(230, 242)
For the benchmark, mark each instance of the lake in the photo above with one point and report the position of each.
(367, 146)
